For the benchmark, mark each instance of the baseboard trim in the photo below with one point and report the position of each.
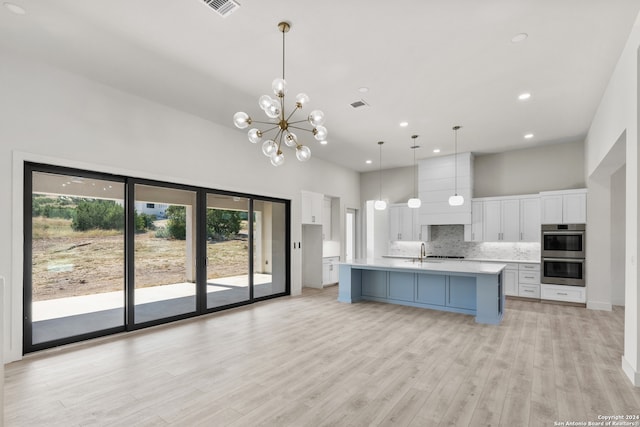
(632, 374)
(599, 305)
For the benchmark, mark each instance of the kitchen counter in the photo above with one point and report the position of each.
(468, 287)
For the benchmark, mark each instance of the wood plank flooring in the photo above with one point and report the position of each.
(312, 361)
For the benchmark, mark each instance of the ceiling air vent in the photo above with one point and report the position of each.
(359, 104)
(223, 7)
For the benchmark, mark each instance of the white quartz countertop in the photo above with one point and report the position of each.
(452, 266)
(498, 260)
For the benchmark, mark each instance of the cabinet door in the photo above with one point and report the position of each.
(326, 219)
(477, 221)
(492, 223)
(407, 231)
(574, 208)
(374, 283)
(510, 214)
(311, 212)
(462, 292)
(511, 282)
(551, 209)
(326, 272)
(395, 223)
(402, 286)
(530, 220)
(431, 289)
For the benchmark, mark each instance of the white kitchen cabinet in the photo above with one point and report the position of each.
(330, 270)
(511, 279)
(473, 232)
(530, 219)
(501, 220)
(563, 293)
(326, 218)
(403, 223)
(563, 207)
(312, 206)
(574, 208)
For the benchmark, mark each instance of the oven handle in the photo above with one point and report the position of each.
(562, 233)
(579, 260)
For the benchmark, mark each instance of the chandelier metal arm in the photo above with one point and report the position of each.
(297, 121)
(299, 128)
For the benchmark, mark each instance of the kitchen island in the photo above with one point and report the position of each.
(474, 288)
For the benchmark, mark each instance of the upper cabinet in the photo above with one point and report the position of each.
(438, 181)
(403, 223)
(505, 219)
(564, 207)
(530, 219)
(312, 207)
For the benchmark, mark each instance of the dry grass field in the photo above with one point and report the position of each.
(70, 263)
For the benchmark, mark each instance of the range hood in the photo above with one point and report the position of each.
(437, 182)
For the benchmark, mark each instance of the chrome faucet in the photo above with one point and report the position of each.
(423, 251)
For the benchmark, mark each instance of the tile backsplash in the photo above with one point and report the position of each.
(449, 240)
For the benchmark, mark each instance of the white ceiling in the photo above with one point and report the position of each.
(433, 63)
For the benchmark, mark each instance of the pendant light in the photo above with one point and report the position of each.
(456, 199)
(414, 202)
(380, 204)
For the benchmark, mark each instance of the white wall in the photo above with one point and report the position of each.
(53, 116)
(526, 171)
(530, 170)
(618, 234)
(615, 118)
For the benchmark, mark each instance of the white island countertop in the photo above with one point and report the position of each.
(453, 266)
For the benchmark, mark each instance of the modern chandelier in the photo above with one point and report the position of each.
(280, 120)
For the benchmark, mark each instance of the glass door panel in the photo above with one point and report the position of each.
(269, 248)
(227, 250)
(77, 261)
(165, 252)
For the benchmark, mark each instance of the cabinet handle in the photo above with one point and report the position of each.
(313, 218)
(521, 235)
(399, 236)
(562, 293)
(529, 277)
(528, 290)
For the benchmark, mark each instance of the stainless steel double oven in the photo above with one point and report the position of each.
(563, 248)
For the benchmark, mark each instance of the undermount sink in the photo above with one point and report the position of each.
(418, 261)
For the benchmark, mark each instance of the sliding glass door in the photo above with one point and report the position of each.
(74, 256)
(106, 254)
(165, 239)
(227, 250)
(270, 246)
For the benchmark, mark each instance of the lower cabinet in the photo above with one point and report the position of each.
(448, 291)
(462, 292)
(511, 279)
(529, 280)
(563, 293)
(374, 283)
(401, 286)
(330, 270)
(431, 289)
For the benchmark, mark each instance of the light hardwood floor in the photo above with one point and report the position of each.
(312, 361)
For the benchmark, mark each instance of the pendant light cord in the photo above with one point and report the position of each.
(283, 32)
(455, 160)
(380, 169)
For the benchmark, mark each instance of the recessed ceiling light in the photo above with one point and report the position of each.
(519, 37)
(404, 124)
(369, 162)
(15, 8)
(363, 89)
(524, 96)
(528, 136)
(323, 142)
(436, 150)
